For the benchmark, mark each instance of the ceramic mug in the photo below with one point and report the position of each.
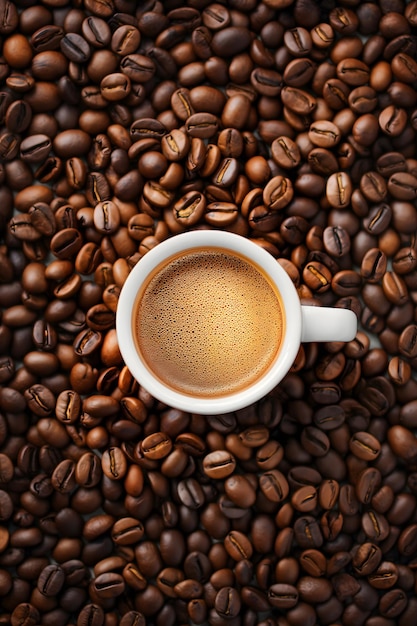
(194, 307)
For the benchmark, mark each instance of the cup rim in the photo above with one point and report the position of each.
(253, 252)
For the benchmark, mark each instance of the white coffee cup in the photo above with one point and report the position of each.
(302, 323)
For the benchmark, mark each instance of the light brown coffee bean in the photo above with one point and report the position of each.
(114, 463)
(219, 464)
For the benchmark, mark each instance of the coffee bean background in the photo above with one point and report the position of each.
(122, 123)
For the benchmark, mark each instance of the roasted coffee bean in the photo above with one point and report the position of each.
(46, 38)
(298, 100)
(175, 145)
(88, 470)
(407, 344)
(278, 193)
(366, 558)
(18, 117)
(44, 335)
(219, 464)
(393, 603)
(35, 149)
(407, 540)
(221, 213)
(6, 469)
(374, 264)
(190, 493)
(402, 442)
(368, 481)
(7, 368)
(63, 476)
(40, 400)
(375, 526)
(227, 602)
(226, 173)
(230, 41)
(239, 490)
(363, 99)
(25, 613)
(266, 82)
(109, 585)
(307, 532)
(71, 143)
(404, 261)
(91, 614)
(96, 31)
(42, 218)
(133, 577)
(181, 104)
(127, 531)
(399, 370)
(51, 580)
(339, 190)
(322, 161)
(353, 71)
(402, 185)
(336, 241)
(229, 144)
(324, 134)
(202, 125)
(156, 446)
(364, 446)
(269, 455)
(114, 463)
(299, 72)
(283, 596)
(124, 40)
(66, 243)
(317, 276)
(9, 17)
(9, 145)
(190, 208)
(75, 48)
(215, 16)
(373, 187)
(285, 152)
(157, 196)
(395, 288)
(385, 576)
(274, 485)
(23, 229)
(315, 441)
(87, 341)
(328, 494)
(115, 87)
(99, 317)
(236, 111)
(238, 546)
(138, 67)
(304, 499)
(98, 189)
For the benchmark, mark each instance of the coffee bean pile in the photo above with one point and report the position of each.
(292, 123)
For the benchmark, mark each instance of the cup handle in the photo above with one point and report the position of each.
(321, 323)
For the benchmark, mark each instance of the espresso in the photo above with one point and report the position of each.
(208, 323)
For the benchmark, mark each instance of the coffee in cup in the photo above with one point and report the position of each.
(208, 322)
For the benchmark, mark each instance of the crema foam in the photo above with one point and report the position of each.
(208, 322)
